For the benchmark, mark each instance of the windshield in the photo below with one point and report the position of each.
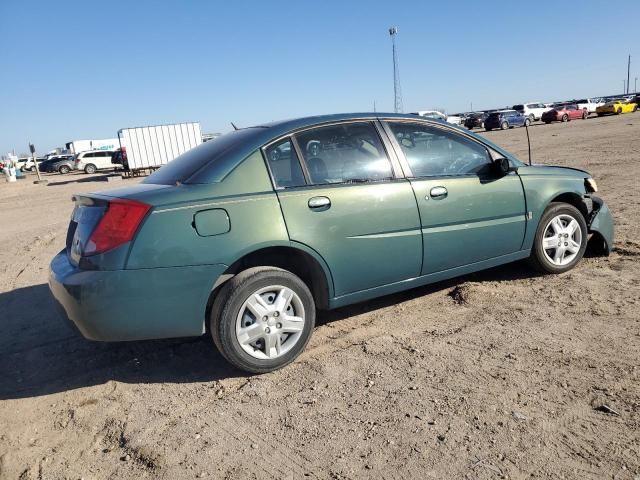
(184, 166)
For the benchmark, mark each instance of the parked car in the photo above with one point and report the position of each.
(476, 120)
(532, 110)
(120, 158)
(46, 165)
(455, 119)
(63, 163)
(504, 119)
(94, 160)
(616, 107)
(432, 114)
(229, 239)
(589, 104)
(564, 113)
(28, 164)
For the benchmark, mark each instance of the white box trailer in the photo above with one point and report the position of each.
(154, 146)
(77, 146)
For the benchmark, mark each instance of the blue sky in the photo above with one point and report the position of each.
(73, 70)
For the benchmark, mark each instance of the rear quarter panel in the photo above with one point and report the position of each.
(169, 237)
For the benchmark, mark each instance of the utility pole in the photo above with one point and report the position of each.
(628, 71)
(397, 93)
(635, 85)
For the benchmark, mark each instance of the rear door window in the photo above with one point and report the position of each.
(344, 153)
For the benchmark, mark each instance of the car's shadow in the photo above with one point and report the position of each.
(41, 354)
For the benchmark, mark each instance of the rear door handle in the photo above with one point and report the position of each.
(438, 193)
(319, 203)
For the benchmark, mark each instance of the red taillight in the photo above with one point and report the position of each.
(118, 225)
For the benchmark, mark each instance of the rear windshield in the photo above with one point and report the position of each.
(184, 166)
(518, 107)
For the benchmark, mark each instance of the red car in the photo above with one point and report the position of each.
(564, 113)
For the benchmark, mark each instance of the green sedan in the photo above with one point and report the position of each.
(248, 236)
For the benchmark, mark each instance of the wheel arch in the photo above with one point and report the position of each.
(571, 198)
(297, 259)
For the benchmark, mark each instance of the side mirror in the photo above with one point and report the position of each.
(502, 166)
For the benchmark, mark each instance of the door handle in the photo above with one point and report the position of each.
(438, 193)
(319, 203)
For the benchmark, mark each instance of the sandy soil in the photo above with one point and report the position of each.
(501, 374)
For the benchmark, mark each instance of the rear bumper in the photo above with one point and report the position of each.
(140, 304)
(601, 223)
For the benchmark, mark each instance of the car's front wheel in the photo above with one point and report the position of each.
(527, 122)
(504, 125)
(565, 118)
(64, 169)
(561, 239)
(262, 319)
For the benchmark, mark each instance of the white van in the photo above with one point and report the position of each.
(93, 160)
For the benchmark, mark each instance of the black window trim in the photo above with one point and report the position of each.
(403, 159)
(265, 157)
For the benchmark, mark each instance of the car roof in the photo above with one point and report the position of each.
(253, 138)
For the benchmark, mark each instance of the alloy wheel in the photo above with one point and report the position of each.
(562, 240)
(270, 322)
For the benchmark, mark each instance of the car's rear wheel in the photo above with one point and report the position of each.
(504, 125)
(561, 239)
(262, 319)
(90, 168)
(527, 122)
(565, 118)
(585, 114)
(618, 111)
(64, 169)
(532, 118)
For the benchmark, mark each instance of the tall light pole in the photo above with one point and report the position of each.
(397, 93)
(628, 70)
(635, 85)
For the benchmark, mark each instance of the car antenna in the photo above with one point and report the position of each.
(234, 126)
(526, 127)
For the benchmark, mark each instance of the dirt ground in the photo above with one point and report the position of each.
(500, 374)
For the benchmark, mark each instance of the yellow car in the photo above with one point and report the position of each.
(617, 107)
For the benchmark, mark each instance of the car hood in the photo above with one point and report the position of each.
(539, 169)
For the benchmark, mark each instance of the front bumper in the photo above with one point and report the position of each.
(116, 305)
(601, 223)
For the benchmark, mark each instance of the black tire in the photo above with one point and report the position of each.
(600, 114)
(538, 259)
(565, 118)
(635, 109)
(504, 126)
(230, 299)
(547, 122)
(488, 129)
(618, 111)
(585, 114)
(532, 118)
(90, 168)
(64, 169)
(527, 122)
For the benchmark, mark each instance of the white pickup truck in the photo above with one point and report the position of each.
(589, 104)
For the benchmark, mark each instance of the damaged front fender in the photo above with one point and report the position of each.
(601, 226)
